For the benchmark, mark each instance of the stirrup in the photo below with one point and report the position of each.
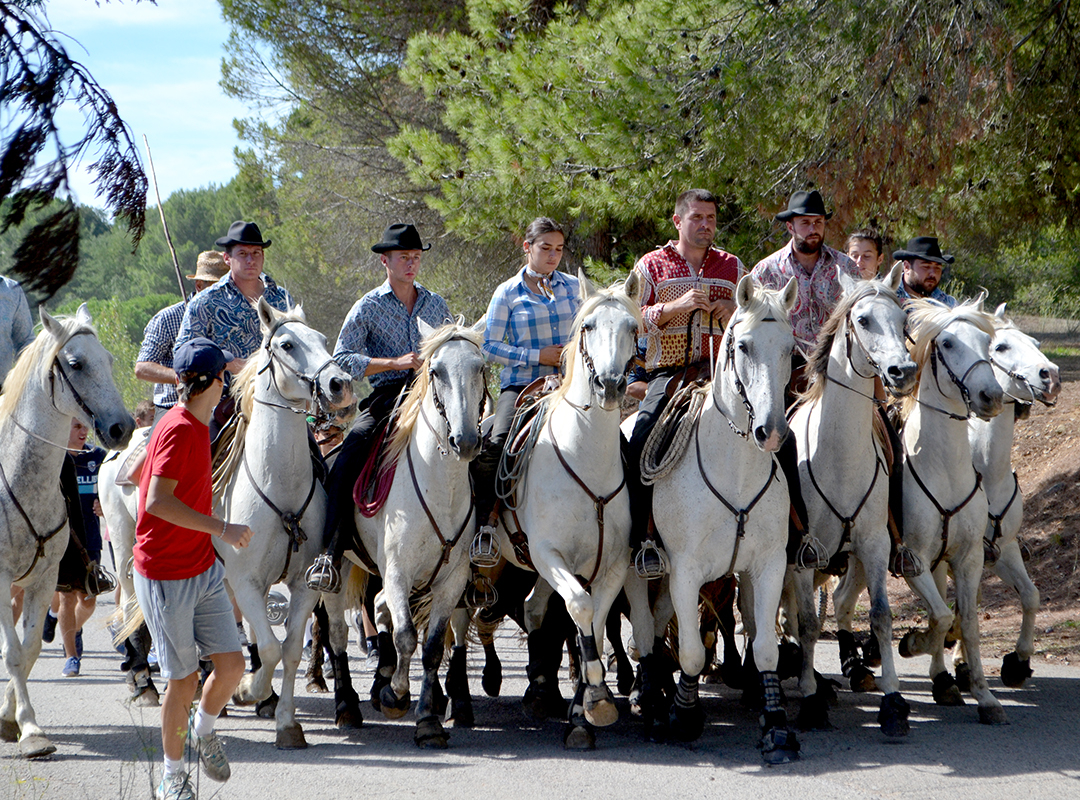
(99, 580)
(323, 576)
(480, 593)
(650, 562)
(811, 554)
(484, 549)
(905, 563)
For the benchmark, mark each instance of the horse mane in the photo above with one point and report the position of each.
(414, 398)
(35, 361)
(243, 392)
(570, 350)
(818, 365)
(928, 319)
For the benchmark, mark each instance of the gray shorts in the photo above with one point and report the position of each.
(188, 619)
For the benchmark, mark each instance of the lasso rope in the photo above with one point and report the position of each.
(673, 428)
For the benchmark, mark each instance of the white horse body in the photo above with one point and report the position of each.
(1025, 375)
(733, 451)
(290, 368)
(35, 429)
(938, 455)
(843, 472)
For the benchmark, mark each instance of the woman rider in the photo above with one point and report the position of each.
(866, 249)
(529, 319)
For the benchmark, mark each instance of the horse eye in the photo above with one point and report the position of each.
(75, 364)
(947, 344)
(286, 346)
(1001, 348)
(743, 348)
(864, 321)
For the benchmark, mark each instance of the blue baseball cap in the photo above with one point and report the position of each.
(201, 356)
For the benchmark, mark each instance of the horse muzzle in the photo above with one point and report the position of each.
(769, 438)
(899, 379)
(115, 434)
(609, 391)
(466, 446)
(986, 403)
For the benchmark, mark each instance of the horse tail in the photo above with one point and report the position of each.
(132, 616)
(356, 588)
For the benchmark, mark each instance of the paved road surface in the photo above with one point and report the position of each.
(107, 749)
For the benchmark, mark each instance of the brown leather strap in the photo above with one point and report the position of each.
(41, 540)
(289, 521)
(946, 514)
(447, 545)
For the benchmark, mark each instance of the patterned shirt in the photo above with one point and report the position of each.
(819, 289)
(937, 295)
(223, 315)
(379, 326)
(667, 277)
(520, 323)
(159, 337)
(17, 324)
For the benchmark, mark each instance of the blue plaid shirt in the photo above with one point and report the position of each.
(520, 323)
(159, 336)
(379, 326)
(937, 295)
(17, 324)
(223, 315)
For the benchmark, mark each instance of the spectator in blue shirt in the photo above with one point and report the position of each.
(923, 265)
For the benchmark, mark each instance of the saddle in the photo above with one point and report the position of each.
(538, 389)
(511, 473)
(130, 472)
(373, 485)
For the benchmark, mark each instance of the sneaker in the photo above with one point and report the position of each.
(48, 630)
(212, 754)
(71, 667)
(177, 788)
(78, 643)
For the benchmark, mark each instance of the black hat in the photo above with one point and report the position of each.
(804, 204)
(924, 247)
(241, 232)
(201, 356)
(400, 236)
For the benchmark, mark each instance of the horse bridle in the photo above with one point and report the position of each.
(311, 381)
(583, 348)
(441, 407)
(965, 393)
(1016, 376)
(58, 367)
(729, 358)
(849, 333)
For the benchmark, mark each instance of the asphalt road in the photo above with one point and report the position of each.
(108, 749)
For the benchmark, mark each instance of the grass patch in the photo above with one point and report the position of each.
(1061, 351)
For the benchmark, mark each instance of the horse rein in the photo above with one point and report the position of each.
(312, 381)
(42, 540)
(729, 358)
(290, 521)
(447, 544)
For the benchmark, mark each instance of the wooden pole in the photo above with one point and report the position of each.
(164, 225)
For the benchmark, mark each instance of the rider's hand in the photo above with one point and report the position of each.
(693, 299)
(407, 361)
(722, 308)
(236, 535)
(551, 356)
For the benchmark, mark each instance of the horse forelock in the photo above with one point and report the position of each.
(36, 359)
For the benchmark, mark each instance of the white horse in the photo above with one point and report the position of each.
(63, 373)
(723, 509)
(419, 540)
(572, 506)
(273, 488)
(1026, 376)
(945, 507)
(843, 472)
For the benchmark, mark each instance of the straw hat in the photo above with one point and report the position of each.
(210, 267)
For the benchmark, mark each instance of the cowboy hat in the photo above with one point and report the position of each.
(400, 236)
(210, 267)
(804, 204)
(924, 247)
(241, 232)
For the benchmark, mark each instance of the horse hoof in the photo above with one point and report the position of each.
(963, 677)
(579, 737)
(686, 723)
(392, 706)
(600, 707)
(377, 686)
(244, 695)
(871, 652)
(290, 737)
(992, 715)
(542, 701)
(266, 709)
(461, 715)
(347, 715)
(907, 645)
(317, 686)
(861, 679)
(430, 735)
(9, 730)
(814, 713)
(36, 747)
(945, 690)
(893, 715)
(146, 698)
(1014, 670)
(779, 746)
(491, 680)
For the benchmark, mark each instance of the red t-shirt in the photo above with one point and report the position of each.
(179, 450)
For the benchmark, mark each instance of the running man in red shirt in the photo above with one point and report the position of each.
(179, 583)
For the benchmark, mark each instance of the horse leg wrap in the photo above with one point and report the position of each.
(588, 649)
(346, 700)
(849, 651)
(778, 743)
(535, 669)
(770, 682)
(686, 695)
(457, 681)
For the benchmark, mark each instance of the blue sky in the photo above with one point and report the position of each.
(161, 64)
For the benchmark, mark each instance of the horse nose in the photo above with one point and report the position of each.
(760, 434)
(620, 387)
(121, 431)
(337, 386)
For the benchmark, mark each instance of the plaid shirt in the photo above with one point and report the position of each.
(379, 326)
(159, 336)
(521, 323)
(18, 325)
(667, 277)
(819, 289)
(223, 315)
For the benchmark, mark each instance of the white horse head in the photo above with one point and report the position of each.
(300, 371)
(872, 321)
(76, 370)
(603, 341)
(955, 343)
(754, 363)
(1027, 374)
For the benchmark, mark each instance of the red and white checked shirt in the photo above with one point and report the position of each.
(667, 276)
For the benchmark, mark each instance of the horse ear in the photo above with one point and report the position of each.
(790, 295)
(585, 287)
(50, 323)
(744, 292)
(632, 286)
(480, 325)
(848, 282)
(999, 312)
(978, 301)
(82, 316)
(425, 329)
(892, 280)
(298, 310)
(266, 314)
